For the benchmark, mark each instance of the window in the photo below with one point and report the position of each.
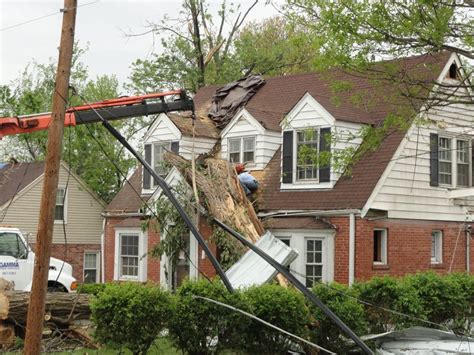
(242, 150)
(91, 266)
(12, 245)
(451, 161)
(59, 212)
(314, 261)
(128, 256)
(287, 241)
(445, 170)
(462, 153)
(159, 150)
(307, 144)
(436, 247)
(380, 246)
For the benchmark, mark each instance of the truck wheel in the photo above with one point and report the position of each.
(55, 287)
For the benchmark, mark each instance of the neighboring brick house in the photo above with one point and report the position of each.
(405, 207)
(78, 240)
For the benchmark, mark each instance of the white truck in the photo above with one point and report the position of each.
(17, 262)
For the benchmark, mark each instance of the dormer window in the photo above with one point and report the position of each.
(154, 155)
(305, 166)
(242, 150)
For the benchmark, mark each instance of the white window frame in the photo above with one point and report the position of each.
(97, 263)
(241, 149)
(167, 145)
(142, 254)
(383, 247)
(436, 242)
(296, 178)
(455, 161)
(60, 221)
(298, 240)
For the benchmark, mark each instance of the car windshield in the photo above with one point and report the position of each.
(12, 245)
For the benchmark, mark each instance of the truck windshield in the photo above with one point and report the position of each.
(12, 245)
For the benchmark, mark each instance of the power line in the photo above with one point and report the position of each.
(264, 322)
(45, 16)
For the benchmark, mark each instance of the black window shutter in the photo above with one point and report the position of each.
(175, 147)
(325, 146)
(287, 171)
(434, 171)
(146, 174)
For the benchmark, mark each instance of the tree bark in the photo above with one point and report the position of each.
(224, 197)
(61, 308)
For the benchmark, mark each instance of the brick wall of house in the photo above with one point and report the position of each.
(153, 266)
(409, 247)
(74, 255)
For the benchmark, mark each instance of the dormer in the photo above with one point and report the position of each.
(175, 133)
(246, 140)
(309, 131)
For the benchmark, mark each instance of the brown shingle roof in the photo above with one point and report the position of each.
(280, 94)
(129, 198)
(15, 177)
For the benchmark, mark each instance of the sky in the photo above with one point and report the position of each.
(100, 25)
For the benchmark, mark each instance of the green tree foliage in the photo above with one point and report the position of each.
(130, 315)
(83, 146)
(203, 48)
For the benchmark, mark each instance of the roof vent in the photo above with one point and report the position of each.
(453, 71)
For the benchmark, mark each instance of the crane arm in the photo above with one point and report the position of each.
(114, 109)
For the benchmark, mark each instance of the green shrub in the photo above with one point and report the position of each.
(92, 289)
(391, 293)
(282, 307)
(445, 299)
(130, 315)
(341, 300)
(202, 327)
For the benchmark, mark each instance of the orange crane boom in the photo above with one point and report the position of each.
(113, 109)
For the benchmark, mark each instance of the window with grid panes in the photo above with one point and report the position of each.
(158, 157)
(307, 143)
(60, 202)
(314, 261)
(462, 154)
(444, 156)
(436, 247)
(129, 255)
(248, 150)
(242, 150)
(91, 267)
(234, 150)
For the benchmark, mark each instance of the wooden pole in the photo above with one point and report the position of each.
(34, 329)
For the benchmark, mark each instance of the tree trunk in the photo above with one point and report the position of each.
(225, 198)
(60, 307)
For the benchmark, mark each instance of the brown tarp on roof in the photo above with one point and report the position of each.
(228, 99)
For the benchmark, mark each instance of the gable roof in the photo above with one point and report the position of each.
(129, 198)
(15, 177)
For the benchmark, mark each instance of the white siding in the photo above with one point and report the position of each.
(84, 220)
(201, 145)
(266, 143)
(307, 114)
(163, 132)
(405, 191)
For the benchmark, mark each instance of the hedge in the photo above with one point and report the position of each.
(131, 315)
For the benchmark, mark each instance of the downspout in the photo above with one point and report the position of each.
(102, 256)
(468, 248)
(351, 248)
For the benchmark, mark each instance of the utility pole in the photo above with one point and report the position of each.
(34, 325)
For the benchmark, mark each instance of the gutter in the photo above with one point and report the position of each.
(122, 214)
(293, 213)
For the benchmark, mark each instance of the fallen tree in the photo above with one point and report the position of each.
(224, 197)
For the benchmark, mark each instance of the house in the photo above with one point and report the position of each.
(403, 207)
(78, 223)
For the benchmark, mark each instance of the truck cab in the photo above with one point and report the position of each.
(17, 262)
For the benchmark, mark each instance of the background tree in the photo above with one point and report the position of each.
(84, 147)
